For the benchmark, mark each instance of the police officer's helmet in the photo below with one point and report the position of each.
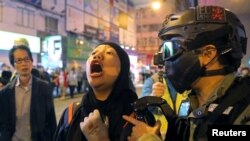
(204, 25)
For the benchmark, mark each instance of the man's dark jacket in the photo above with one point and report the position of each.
(42, 113)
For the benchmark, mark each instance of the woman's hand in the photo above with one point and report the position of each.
(93, 127)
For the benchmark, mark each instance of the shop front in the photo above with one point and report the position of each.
(7, 41)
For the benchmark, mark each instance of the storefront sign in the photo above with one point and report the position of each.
(7, 41)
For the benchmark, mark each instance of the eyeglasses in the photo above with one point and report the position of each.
(20, 60)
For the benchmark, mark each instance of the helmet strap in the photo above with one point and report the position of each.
(223, 71)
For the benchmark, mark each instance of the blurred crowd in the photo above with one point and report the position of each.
(62, 81)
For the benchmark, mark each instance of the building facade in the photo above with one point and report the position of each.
(67, 29)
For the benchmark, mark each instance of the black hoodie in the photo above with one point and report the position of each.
(116, 105)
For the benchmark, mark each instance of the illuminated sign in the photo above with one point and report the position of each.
(7, 41)
(52, 51)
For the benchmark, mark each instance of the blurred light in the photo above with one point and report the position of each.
(156, 5)
(122, 46)
(127, 47)
(81, 42)
(133, 48)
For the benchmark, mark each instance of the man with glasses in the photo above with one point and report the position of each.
(202, 52)
(36, 72)
(17, 42)
(27, 109)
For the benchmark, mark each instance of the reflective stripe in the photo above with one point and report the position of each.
(70, 112)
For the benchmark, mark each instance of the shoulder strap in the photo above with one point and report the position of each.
(73, 107)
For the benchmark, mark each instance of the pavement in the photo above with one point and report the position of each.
(62, 104)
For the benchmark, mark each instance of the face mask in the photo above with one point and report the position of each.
(184, 70)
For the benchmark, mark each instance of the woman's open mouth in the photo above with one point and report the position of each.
(95, 69)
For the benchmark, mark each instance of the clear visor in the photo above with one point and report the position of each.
(171, 49)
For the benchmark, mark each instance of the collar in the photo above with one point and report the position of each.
(18, 83)
(217, 93)
(221, 90)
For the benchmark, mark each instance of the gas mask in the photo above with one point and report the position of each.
(182, 66)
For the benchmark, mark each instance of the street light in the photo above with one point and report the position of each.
(156, 5)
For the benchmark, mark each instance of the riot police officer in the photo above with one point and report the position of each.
(203, 48)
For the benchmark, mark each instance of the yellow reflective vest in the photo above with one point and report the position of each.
(175, 105)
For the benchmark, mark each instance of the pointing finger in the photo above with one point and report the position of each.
(131, 120)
